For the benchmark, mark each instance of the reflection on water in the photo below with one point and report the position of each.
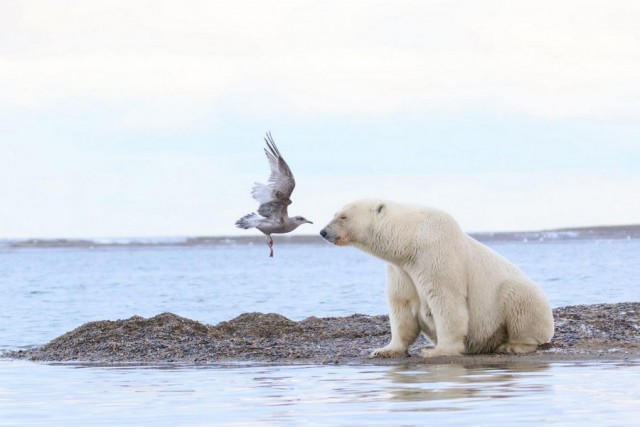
(547, 393)
(445, 382)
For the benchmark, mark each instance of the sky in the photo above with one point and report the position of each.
(146, 118)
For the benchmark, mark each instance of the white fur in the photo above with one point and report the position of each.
(463, 296)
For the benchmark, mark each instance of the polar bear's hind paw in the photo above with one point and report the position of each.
(385, 353)
(514, 348)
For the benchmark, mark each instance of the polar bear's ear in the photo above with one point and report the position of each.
(379, 208)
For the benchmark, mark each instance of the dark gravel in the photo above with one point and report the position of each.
(583, 332)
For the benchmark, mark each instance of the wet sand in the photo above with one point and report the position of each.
(583, 332)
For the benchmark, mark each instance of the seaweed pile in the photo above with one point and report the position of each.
(582, 332)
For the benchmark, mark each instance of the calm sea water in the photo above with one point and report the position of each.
(47, 292)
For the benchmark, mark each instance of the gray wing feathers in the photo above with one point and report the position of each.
(275, 209)
(274, 198)
(281, 178)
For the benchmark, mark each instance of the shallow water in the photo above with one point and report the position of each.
(531, 394)
(46, 292)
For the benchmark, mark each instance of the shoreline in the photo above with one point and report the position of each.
(610, 232)
(599, 332)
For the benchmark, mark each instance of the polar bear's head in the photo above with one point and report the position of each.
(355, 223)
(394, 232)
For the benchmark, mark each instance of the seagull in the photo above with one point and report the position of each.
(272, 216)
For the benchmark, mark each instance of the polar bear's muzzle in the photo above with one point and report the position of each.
(332, 237)
(327, 236)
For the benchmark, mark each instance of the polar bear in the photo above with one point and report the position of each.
(466, 298)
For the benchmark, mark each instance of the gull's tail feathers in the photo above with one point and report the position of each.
(248, 221)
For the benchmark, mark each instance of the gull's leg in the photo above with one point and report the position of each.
(270, 243)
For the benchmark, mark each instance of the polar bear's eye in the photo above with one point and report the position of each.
(343, 217)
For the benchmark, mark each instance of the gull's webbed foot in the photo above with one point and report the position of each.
(270, 243)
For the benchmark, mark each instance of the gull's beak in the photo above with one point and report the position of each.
(309, 222)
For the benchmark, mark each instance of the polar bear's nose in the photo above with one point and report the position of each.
(323, 232)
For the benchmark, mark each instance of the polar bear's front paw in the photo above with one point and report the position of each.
(388, 352)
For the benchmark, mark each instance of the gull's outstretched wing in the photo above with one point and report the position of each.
(281, 179)
(275, 197)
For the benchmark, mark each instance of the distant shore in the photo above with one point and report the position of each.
(583, 332)
(617, 232)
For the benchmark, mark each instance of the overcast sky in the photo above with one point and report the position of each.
(146, 118)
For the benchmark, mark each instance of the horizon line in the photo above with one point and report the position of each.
(617, 231)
